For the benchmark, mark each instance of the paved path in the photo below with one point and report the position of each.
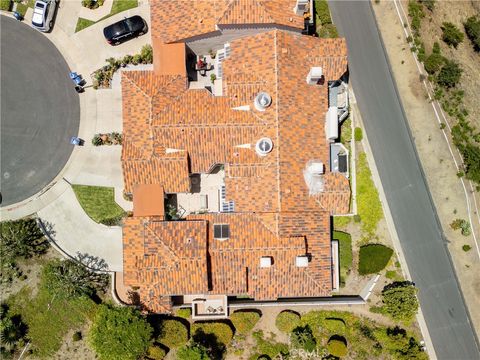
(402, 178)
(40, 111)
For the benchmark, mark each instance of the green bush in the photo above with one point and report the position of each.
(192, 352)
(268, 348)
(415, 11)
(335, 325)
(429, 4)
(433, 62)
(77, 336)
(400, 300)
(156, 353)
(184, 313)
(451, 34)
(345, 251)
(287, 320)
(323, 12)
(466, 248)
(337, 346)
(328, 31)
(213, 336)
(358, 135)
(373, 258)
(302, 337)
(472, 28)
(119, 333)
(244, 321)
(147, 54)
(450, 74)
(5, 5)
(173, 333)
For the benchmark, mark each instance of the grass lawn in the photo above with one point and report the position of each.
(345, 250)
(368, 201)
(5, 5)
(117, 7)
(99, 203)
(83, 23)
(373, 258)
(49, 317)
(341, 221)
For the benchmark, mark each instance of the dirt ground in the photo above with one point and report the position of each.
(432, 148)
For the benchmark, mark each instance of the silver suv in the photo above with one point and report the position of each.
(43, 13)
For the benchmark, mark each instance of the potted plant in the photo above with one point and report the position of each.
(213, 77)
(212, 53)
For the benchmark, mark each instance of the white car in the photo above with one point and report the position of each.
(43, 13)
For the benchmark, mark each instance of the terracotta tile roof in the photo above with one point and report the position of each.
(176, 20)
(171, 132)
(148, 200)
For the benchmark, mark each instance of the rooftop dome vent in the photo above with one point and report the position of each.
(262, 101)
(264, 146)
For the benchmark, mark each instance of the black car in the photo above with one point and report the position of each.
(125, 29)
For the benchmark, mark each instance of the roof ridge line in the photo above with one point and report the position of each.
(168, 248)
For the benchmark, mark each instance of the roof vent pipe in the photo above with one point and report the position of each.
(263, 146)
(262, 101)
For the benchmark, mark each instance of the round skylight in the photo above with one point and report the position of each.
(264, 146)
(262, 101)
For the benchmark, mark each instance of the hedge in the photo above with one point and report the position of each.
(337, 346)
(287, 320)
(222, 331)
(244, 321)
(173, 333)
(373, 258)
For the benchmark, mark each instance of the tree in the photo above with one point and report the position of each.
(472, 28)
(119, 333)
(451, 34)
(192, 352)
(302, 337)
(400, 300)
(68, 278)
(450, 74)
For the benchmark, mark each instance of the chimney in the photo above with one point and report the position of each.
(300, 7)
(315, 76)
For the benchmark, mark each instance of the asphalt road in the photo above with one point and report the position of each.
(405, 187)
(40, 111)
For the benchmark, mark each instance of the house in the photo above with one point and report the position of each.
(232, 185)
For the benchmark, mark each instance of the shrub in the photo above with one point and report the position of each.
(5, 5)
(244, 321)
(136, 59)
(400, 300)
(192, 352)
(358, 135)
(429, 4)
(173, 333)
(287, 320)
(156, 353)
(462, 224)
(328, 31)
(77, 336)
(213, 77)
(373, 258)
(302, 337)
(335, 325)
(450, 74)
(451, 34)
(268, 348)
(472, 28)
(357, 218)
(213, 336)
(323, 12)
(147, 54)
(433, 63)
(337, 346)
(415, 11)
(184, 313)
(466, 248)
(119, 333)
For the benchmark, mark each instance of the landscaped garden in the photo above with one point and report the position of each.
(99, 204)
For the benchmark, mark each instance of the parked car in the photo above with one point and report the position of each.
(43, 12)
(125, 29)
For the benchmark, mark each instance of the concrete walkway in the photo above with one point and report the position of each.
(75, 233)
(100, 112)
(98, 13)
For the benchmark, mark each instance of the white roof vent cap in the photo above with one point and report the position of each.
(263, 146)
(316, 168)
(262, 101)
(301, 261)
(265, 262)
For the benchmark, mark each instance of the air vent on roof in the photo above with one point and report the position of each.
(301, 261)
(315, 76)
(221, 231)
(264, 146)
(313, 175)
(265, 262)
(262, 101)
